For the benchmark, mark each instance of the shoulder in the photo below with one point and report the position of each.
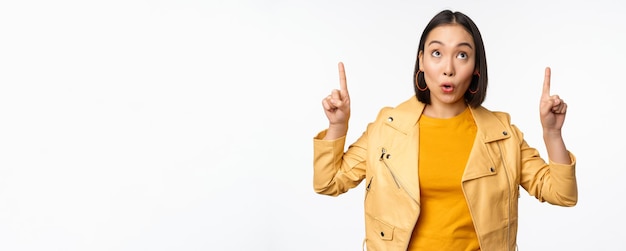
(494, 125)
(410, 108)
(484, 114)
(402, 117)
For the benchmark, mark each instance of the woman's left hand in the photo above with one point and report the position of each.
(552, 108)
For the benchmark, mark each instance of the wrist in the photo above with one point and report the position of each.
(338, 126)
(336, 131)
(552, 133)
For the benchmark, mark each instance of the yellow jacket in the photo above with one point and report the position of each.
(386, 157)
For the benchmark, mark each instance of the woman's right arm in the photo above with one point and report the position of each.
(337, 108)
(333, 173)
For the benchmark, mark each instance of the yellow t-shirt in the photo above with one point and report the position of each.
(445, 222)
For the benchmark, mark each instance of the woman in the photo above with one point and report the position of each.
(442, 172)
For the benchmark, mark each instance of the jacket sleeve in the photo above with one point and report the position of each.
(335, 172)
(548, 182)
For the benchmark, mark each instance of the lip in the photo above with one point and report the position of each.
(447, 87)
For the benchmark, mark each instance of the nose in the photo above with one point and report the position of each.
(448, 69)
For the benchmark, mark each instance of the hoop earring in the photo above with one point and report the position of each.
(417, 82)
(477, 75)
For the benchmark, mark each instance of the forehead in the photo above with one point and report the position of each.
(450, 34)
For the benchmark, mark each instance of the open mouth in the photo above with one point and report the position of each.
(447, 87)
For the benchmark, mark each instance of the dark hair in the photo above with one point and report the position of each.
(479, 82)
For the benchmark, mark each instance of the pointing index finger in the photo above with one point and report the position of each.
(546, 82)
(343, 85)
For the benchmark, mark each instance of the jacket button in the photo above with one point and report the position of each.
(505, 133)
(390, 119)
(493, 170)
(388, 156)
(382, 234)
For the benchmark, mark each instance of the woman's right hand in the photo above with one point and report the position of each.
(337, 108)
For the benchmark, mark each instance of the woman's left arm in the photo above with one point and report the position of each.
(552, 110)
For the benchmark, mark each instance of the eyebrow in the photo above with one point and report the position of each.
(458, 45)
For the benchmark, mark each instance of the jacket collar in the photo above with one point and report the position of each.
(406, 116)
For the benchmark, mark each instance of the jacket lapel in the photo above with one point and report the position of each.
(403, 120)
(485, 157)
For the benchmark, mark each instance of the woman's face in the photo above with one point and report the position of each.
(448, 61)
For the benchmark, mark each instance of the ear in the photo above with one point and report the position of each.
(476, 72)
(420, 56)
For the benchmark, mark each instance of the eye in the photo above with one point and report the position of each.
(462, 55)
(436, 54)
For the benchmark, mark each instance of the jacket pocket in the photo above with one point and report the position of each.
(379, 228)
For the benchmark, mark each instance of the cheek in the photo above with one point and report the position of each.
(464, 71)
(430, 71)
(430, 68)
(466, 74)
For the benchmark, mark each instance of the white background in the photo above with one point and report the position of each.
(188, 125)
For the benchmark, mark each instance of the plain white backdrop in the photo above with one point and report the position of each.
(188, 125)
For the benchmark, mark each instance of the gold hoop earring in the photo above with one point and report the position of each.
(417, 82)
(477, 75)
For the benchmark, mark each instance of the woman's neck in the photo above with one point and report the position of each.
(444, 111)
